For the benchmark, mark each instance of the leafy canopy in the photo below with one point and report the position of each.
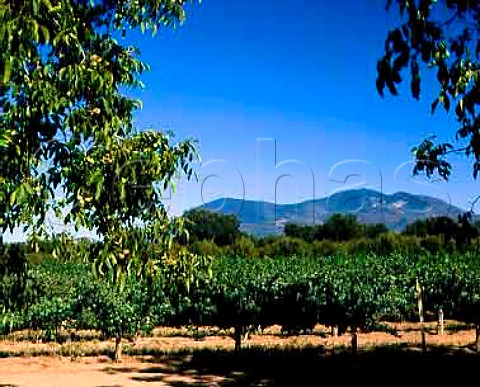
(443, 36)
(67, 136)
(208, 225)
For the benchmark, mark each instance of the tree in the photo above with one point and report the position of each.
(441, 225)
(441, 35)
(305, 232)
(243, 246)
(375, 230)
(461, 231)
(341, 227)
(66, 124)
(207, 225)
(67, 136)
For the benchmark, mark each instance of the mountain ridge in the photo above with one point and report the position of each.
(396, 210)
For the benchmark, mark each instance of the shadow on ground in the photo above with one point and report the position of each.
(311, 367)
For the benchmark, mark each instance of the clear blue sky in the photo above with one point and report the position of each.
(302, 74)
(299, 72)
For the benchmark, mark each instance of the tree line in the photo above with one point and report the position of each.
(216, 234)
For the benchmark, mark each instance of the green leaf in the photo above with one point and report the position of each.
(47, 4)
(12, 198)
(7, 71)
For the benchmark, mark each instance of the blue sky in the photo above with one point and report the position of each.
(242, 76)
(274, 88)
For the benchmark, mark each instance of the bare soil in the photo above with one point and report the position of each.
(170, 358)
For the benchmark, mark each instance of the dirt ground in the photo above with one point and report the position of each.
(268, 359)
(93, 371)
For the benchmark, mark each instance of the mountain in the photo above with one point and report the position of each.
(395, 210)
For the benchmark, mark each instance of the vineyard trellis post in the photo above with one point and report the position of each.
(419, 292)
(441, 321)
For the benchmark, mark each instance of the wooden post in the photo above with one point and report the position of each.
(334, 330)
(117, 354)
(419, 292)
(250, 330)
(440, 320)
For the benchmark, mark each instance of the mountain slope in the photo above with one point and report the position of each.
(395, 210)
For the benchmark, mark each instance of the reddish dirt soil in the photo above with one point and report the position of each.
(91, 372)
(172, 369)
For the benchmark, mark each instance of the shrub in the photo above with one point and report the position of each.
(243, 247)
(205, 248)
(285, 246)
(432, 243)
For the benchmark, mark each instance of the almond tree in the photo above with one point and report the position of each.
(67, 136)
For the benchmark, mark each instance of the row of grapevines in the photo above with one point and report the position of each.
(349, 292)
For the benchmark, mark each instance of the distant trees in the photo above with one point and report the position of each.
(211, 226)
(307, 233)
(341, 228)
(432, 226)
(338, 228)
(447, 230)
(375, 230)
(214, 234)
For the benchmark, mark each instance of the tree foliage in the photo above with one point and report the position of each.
(442, 36)
(337, 227)
(461, 232)
(67, 136)
(207, 225)
(68, 142)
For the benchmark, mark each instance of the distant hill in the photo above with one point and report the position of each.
(395, 210)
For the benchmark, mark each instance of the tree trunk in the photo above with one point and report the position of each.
(354, 341)
(117, 354)
(238, 338)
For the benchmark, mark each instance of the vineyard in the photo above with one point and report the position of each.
(348, 293)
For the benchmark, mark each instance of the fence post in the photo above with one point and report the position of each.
(440, 320)
(419, 291)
